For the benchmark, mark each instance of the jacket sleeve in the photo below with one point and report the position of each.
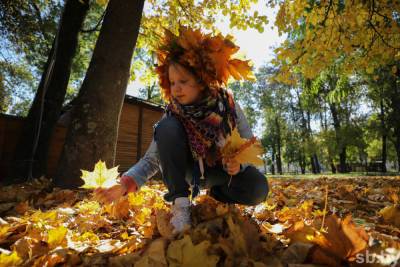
(244, 129)
(146, 167)
(242, 123)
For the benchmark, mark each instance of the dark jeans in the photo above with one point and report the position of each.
(248, 187)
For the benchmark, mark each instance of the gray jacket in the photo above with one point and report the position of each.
(149, 164)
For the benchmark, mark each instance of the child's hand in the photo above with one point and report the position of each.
(231, 166)
(107, 195)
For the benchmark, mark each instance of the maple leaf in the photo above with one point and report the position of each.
(100, 176)
(163, 223)
(391, 215)
(28, 247)
(241, 69)
(11, 259)
(242, 150)
(154, 255)
(184, 253)
(342, 241)
(118, 209)
(56, 237)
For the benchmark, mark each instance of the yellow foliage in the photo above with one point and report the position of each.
(364, 40)
(242, 150)
(100, 176)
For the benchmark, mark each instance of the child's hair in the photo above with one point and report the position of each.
(191, 70)
(207, 57)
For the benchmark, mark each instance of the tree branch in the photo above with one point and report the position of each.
(185, 10)
(96, 27)
(327, 12)
(381, 36)
(40, 20)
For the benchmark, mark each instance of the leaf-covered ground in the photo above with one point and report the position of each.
(318, 222)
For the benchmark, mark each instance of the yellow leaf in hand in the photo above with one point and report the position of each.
(242, 150)
(100, 176)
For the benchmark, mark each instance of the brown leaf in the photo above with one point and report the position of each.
(163, 223)
(154, 255)
(341, 241)
(391, 215)
(27, 247)
(22, 207)
(119, 209)
(184, 253)
(66, 256)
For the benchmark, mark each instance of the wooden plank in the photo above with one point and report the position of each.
(134, 136)
(139, 138)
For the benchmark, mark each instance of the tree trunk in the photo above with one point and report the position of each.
(30, 160)
(342, 160)
(313, 167)
(279, 148)
(306, 136)
(273, 161)
(384, 136)
(394, 101)
(265, 166)
(316, 162)
(302, 163)
(333, 168)
(93, 131)
(397, 145)
(339, 140)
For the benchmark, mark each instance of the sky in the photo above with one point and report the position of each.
(257, 47)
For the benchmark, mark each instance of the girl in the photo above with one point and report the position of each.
(200, 115)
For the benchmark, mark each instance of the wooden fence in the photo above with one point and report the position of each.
(134, 136)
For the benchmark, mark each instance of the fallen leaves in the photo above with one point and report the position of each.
(67, 228)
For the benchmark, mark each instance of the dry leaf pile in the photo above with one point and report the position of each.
(321, 222)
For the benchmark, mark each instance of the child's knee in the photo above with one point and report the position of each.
(169, 128)
(258, 188)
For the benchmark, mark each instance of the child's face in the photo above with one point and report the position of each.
(184, 87)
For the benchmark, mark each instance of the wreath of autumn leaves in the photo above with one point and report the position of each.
(209, 57)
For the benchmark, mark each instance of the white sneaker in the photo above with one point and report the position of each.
(180, 215)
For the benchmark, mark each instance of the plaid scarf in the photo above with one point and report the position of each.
(206, 123)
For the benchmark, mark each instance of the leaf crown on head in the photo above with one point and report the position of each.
(208, 57)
